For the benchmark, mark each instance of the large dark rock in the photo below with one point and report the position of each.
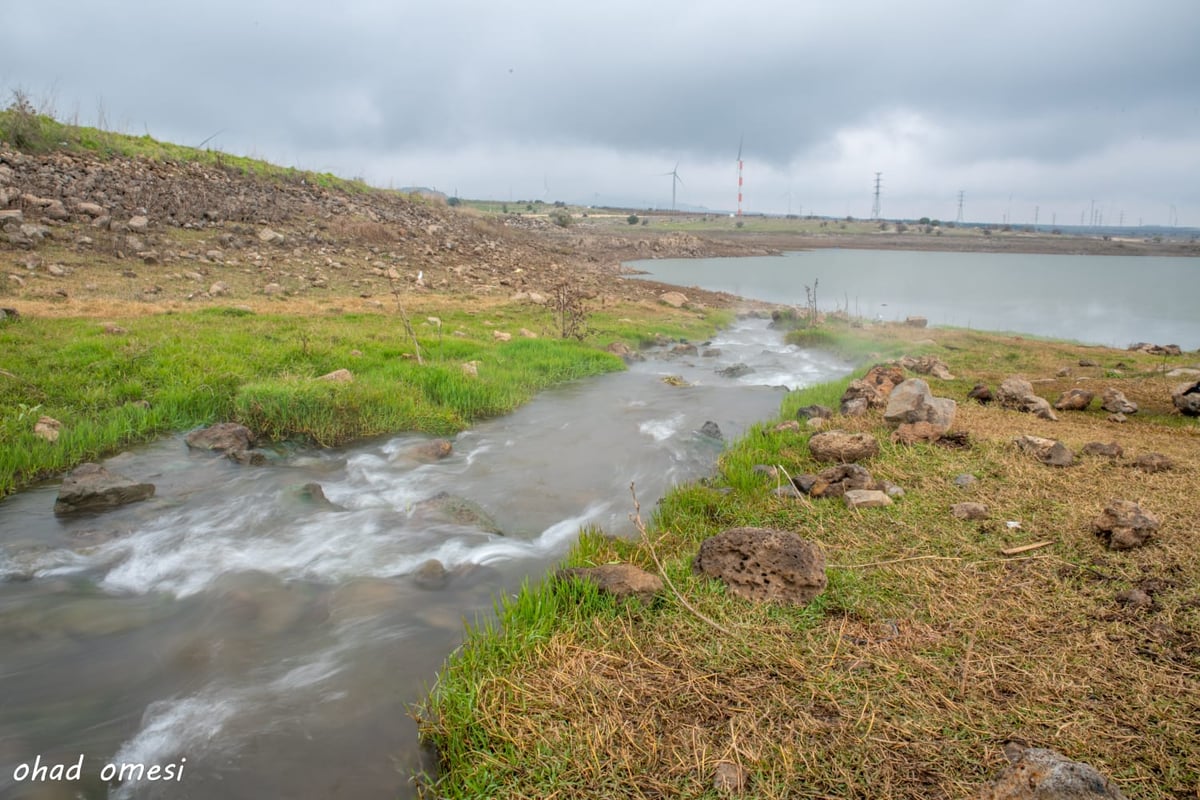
(1186, 397)
(1035, 773)
(1125, 525)
(842, 447)
(618, 580)
(90, 487)
(764, 565)
(712, 430)
(224, 437)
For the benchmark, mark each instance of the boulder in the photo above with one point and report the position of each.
(1049, 451)
(927, 365)
(884, 377)
(1125, 525)
(969, 511)
(90, 487)
(338, 376)
(712, 430)
(138, 224)
(431, 575)
(1109, 450)
(618, 580)
(1115, 402)
(764, 565)
(223, 437)
(842, 447)
(912, 401)
(457, 510)
(1017, 394)
(735, 370)
(866, 498)
(1074, 400)
(47, 428)
(981, 394)
(836, 481)
(432, 450)
(1154, 462)
(1186, 398)
(1034, 773)
(268, 236)
(673, 299)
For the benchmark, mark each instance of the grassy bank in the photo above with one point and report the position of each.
(929, 649)
(115, 382)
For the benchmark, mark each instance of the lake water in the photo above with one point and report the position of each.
(1108, 300)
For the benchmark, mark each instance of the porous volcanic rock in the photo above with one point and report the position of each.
(764, 565)
(1154, 462)
(969, 511)
(927, 365)
(836, 481)
(223, 437)
(619, 580)
(1049, 451)
(1125, 524)
(1035, 773)
(842, 447)
(1108, 450)
(90, 487)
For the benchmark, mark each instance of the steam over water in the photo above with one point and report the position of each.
(274, 642)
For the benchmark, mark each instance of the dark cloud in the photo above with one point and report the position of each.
(1012, 99)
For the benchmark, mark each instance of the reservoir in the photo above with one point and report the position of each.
(1107, 300)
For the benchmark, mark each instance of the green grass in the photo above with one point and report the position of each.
(172, 372)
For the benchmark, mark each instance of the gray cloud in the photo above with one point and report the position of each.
(1067, 101)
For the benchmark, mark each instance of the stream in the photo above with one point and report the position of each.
(249, 641)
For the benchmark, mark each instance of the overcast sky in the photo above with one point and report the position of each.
(1069, 109)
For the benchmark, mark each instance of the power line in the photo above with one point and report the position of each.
(875, 207)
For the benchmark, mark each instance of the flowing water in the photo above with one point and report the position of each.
(252, 642)
(1108, 300)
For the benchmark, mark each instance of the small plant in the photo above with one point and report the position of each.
(570, 310)
(561, 217)
(632, 219)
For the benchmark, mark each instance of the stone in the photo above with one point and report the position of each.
(528, 334)
(1136, 599)
(816, 423)
(884, 377)
(969, 511)
(1049, 451)
(768, 470)
(90, 487)
(432, 450)
(912, 401)
(836, 481)
(866, 498)
(673, 299)
(764, 565)
(247, 458)
(1156, 349)
(916, 322)
(790, 425)
(981, 394)
(272, 289)
(338, 376)
(314, 495)
(1109, 450)
(1114, 402)
(1118, 418)
(138, 224)
(1035, 773)
(712, 430)
(730, 778)
(927, 365)
(431, 575)
(913, 432)
(965, 481)
(501, 336)
(223, 437)
(1186, 398)
(92, 210)
(219, 289)
(618, 580)
(1087, 362)
(842, 447)
(1017, 394)
(735, 370)
(1074, 400)
(684, 349)
(47, 428)
(456, 510)
(470, 368)
(1125, 525)
(1154, 462)
(268, 236)
(814, 411)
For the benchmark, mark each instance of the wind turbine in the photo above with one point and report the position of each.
(739, 163)
(675, 179)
